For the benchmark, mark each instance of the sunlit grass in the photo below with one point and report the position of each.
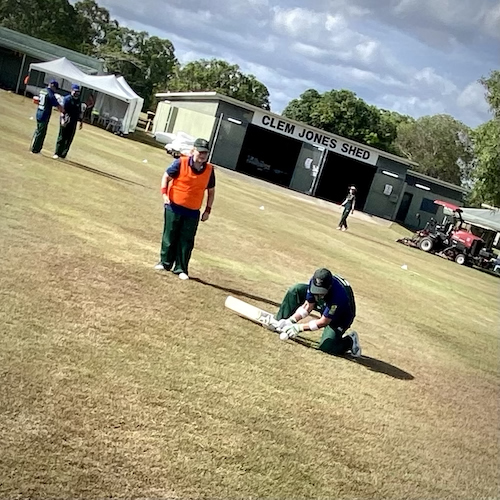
(119, 381)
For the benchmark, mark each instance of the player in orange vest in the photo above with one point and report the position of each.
(183, 187)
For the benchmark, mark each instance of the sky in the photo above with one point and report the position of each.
(417, 57)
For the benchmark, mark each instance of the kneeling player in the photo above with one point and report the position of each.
(332, 296)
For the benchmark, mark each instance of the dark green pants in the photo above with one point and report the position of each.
(64, 139)
(343, 219)
(39, 136)
(177, 242)
(332, 340)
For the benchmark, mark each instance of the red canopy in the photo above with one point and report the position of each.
(448, 205)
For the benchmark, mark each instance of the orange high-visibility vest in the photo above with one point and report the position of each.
(188, 188)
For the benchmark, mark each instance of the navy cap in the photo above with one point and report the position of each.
(321, 282)
(55, 83)
(75, 86)
(202, 145)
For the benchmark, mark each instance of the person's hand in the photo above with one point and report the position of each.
(283, 324)
(291, 331)
(204, 216)
(166, 200)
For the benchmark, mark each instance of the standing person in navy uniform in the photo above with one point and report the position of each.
(348, 205)
(183, 187)
(72, 115)
(46, 101)
(332, 296)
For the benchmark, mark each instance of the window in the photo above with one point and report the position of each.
(429, 206)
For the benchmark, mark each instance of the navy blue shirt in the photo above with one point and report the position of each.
(339, 296)
(47, 101)
(73, 108)
(173, 171)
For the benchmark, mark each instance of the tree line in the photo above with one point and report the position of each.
(442, 146)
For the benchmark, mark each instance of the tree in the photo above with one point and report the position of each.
(301, 109)
(216, 75)
(96, 23)
(492, 85)
(56, 21)
(439, 144)
(486, 139)
(342, 112)
(147, 63)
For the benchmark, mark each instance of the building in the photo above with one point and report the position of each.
(262, 144)
(18, 51)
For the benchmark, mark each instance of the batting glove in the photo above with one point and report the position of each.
(291, 331)
(282, 324)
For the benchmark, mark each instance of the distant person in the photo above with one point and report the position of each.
(89, 106)
(348, 205)
(329, 294)
(183, 187)
(47, 101)
(72, 114)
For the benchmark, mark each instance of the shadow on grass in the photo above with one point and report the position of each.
(238, 293)
(104, 174)
(375, 365)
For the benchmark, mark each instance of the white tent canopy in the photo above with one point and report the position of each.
(115, 97)
(485, 218)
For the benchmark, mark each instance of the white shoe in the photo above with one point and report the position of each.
(183, 276)
(356, 348)
(159, 267)
(55, 157)
(344, 229)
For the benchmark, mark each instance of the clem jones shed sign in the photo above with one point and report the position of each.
(328, 141)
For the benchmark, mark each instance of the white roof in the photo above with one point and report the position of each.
(63, 68)
(485, 218)
(108, 84)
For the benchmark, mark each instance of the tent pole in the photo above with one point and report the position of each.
(20, 74)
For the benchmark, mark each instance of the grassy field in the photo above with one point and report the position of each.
(118, 381)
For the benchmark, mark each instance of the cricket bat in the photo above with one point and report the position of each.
(252, 313)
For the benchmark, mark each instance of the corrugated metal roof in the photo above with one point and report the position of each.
(45, 51)
(211, 96)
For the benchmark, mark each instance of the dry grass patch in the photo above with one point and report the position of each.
(118, 381)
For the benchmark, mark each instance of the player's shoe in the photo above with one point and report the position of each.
(356, 348)
(183, 276)
(55, 157)
(160, 267)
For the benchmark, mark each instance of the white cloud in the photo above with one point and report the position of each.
(377, 49)
(429, 77)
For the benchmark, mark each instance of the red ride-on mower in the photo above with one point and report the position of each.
(448, 240)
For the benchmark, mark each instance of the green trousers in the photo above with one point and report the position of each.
(64, 139)
(177, 242)
(39, 136)
(332, 340)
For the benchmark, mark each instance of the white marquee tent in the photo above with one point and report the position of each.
(115, 97)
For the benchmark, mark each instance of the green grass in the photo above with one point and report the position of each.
(119, 381)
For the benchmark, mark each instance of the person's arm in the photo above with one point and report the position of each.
(353, 203)
(164, 187)
(55, 104)
(80, 116)
(292, 328)
(170, 174)
(210, 202)
(302, 312)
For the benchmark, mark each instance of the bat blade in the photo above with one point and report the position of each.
(250, 312)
